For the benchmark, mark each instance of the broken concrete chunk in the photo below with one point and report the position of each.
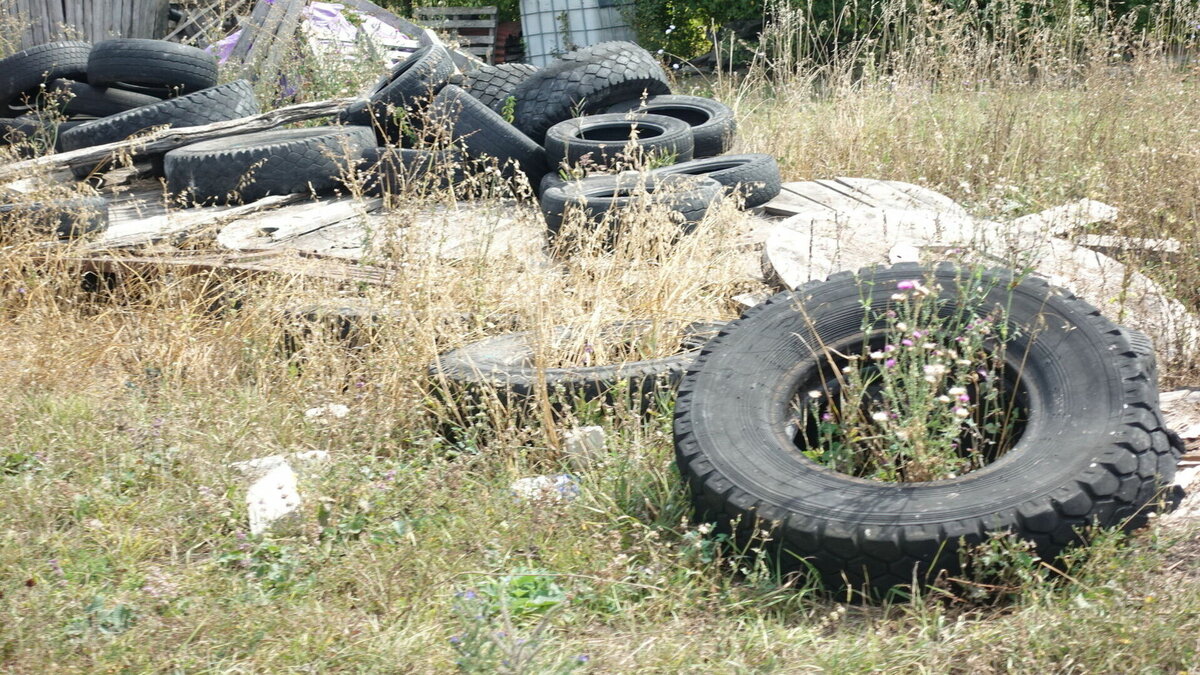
(260, 466)
(273, 502)
(584, 447)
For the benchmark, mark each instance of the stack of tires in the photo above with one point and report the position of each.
(81, 95)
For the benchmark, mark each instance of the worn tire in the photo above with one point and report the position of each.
(85, 99)
(600, 197)
(713, 124)
(158, 64)
(494, 85)
(276, 162)
(586, 81)
(504, 365)
(756, 176)
(484, 134)
(23, 73)
(607, 138)
(1093, 448)
(402, 94)
(63, 218)
(390, 170)
(223, 102)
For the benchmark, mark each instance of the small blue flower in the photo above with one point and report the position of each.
(455, 640)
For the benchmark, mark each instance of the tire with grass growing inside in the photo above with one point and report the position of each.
(1077, 439)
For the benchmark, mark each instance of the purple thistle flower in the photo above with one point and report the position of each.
(826, 417)
(906, 285)
(889, 363)
(889, 348)
(906, 342)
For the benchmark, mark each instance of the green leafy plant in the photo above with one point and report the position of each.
(929, 396)
(98, 617)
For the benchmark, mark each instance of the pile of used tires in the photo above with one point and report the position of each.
(593, 108)
(81, 95)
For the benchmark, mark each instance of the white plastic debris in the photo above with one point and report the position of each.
(559, 488)
(260, 466)
(273, 501)
(329, 410)
(584, 446)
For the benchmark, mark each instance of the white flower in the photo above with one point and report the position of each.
(879, 416)
(935, 369)
(962, 412)
(899, 296)
(900, 325)
(875, 356)
(956, 391)
(814, 394)
(944, 398)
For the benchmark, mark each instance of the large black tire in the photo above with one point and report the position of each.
(755, 176)
(606, 139)
(85, 99)
(151, 63)
(64, 218)
(396, 99)
(504, 365)
(390, 170)
(494, 85)
(586, 81)
(713, 124)
(601, 197)
(21, 130)
(276, 162)
(1093, 448)
(484, 134)
(223, 102)
(23, 73)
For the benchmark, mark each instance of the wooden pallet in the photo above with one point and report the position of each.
(473, 26)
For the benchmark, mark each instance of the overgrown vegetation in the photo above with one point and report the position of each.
(123, 542)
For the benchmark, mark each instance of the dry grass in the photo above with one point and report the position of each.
(122, 542)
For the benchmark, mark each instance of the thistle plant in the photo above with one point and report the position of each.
(927, 397)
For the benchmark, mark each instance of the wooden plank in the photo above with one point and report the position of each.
(482, 24)
(250, 29)
(789, 204)
(162, 140)
(933, 200)
(282, 40)
(275, 229)
(884, 195)
(371, 9)
(822, 195)
(287, 263)
(434, 12)
(178, 225)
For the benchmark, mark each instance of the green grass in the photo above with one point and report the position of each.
(123, 544)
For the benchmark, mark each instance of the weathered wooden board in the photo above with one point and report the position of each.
(282, 228)
(90, 20)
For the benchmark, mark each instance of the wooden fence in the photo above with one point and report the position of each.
(91, 20)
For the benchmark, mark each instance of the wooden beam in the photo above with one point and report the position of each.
(162, 140)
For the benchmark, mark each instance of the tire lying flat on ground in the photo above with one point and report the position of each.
(600, 197)
(253, 166)
(586, 81)
(483, 134)
(63, 218)
(1093, 448)
(156, 64)
(755, 176)
(23, 73)
(505, 365)
(713, 124)
(605, 139)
